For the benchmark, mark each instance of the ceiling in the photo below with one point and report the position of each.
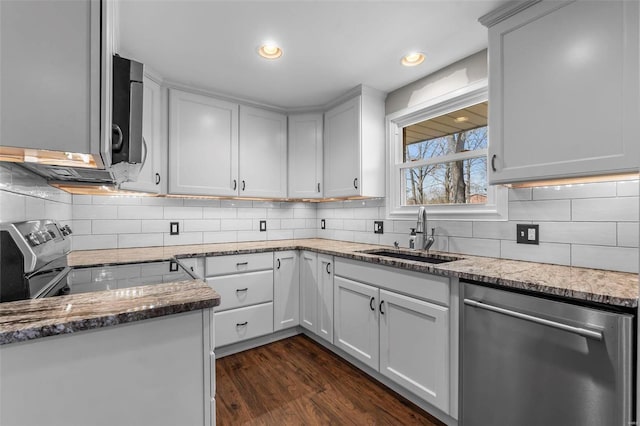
(329, 46)
(463, 119)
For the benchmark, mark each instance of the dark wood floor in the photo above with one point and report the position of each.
(298, 382)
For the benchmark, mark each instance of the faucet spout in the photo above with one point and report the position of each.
(422, 242)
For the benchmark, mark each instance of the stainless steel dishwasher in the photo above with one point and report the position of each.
(532, 361)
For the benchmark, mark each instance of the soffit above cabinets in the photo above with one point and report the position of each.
(329, 46)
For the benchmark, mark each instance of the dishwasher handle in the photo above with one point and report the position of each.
(597, 335)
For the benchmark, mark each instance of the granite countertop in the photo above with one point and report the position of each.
(31, 319)
(591, 285)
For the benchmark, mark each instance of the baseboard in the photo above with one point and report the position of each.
(257, 341)
(434, 411)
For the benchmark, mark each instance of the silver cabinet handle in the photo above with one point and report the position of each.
(597, 335)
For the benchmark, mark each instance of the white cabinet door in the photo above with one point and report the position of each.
(305, 156)
(564, 91)
(203, 145)
(263, 153)
(150, 176)
(286, 290)
(356, 320)
(50, 76)
(342, 149)
(325, 297)
(309, 290)
(414, 346)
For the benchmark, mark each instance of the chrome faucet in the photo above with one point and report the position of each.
(422, 241)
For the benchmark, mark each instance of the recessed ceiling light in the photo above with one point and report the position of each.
(412, 59)
(461, 119)
(270, 51)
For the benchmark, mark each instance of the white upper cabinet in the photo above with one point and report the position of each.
(305, 156)
(263, 153)
(50, 76)
(151, 178)
(564, 97)
(203, 145)
(354, 147)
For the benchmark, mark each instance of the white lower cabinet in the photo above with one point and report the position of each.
(405, 338)
(414, 346)
(245, 285)
(356, 320)
(316, 294)
(286, 289)
(244, 323)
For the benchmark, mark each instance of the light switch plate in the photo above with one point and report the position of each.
(378, 227)
(174, 228)
(322, 224)
(527, 233)
(263, 225)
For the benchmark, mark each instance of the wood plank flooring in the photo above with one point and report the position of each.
(298, 382)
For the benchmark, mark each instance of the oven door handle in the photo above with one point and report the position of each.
(54, 285)
(584, 332)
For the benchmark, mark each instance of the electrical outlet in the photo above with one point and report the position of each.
(322, 224)
(174, 228)
(378, 227)
(263, 225)
(527, 234)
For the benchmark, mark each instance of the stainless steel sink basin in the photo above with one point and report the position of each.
(416, 257)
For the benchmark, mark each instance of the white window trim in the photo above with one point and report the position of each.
(497, 196)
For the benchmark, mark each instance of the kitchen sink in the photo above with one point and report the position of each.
(416, 257)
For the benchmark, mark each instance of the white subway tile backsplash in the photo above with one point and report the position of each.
(358, 225)
(304, 213)
(366, 237)
(252, 213)
(271, 224)
(552, 210)
(12, 207)
(116, 226)
(388, 238)
(495, 230)
(57, 210)
(138, 212)
(597, 233)
(334, 223)
(94, 242)
(81, 227)
(252, 236)
(450, 228)
(236, 203)
(366, 213)
(312, 223)
(582, 190)
(221, 213)
(279, 234)
(82, 199)
(343, 235)
(520, 194)
(236, 224)
(623, 259)
(292, 223)
(628, 188)
(82, 211)
(559, 254)
(183, 238)
(304, 233)
(628, 234)
(35, 208)
(195, 225)
(219, 237)
(140, 240)
(183, 213)
(266, 204)
(200, 202)
(116, 200)
(623, 209)
(282, 213)
(474, 246)
(159, 225)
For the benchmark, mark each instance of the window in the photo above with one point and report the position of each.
(438, 158)
(445, 158)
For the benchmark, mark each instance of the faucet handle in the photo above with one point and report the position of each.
(396, 244)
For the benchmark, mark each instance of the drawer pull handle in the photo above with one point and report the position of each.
(242, 263)
(328, 264)
(493, 162)
(278, 263)
(235, 184)
(242, 324)
(355, 183)
(371, 304)
(240, 290)
(380, 307)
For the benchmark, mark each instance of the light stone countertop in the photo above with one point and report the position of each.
(32, 319)
(582, 284)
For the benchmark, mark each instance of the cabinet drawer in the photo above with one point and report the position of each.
(416, 284)
(243, 289)
(222, 265)
(243, 323)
